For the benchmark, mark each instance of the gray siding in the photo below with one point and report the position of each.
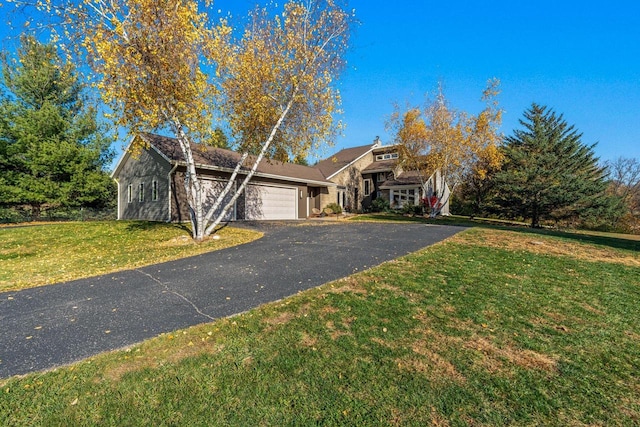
(147, 168)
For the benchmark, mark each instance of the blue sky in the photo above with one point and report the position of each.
(581, 58)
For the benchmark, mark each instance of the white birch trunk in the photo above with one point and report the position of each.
(265, 147)
(192, 183)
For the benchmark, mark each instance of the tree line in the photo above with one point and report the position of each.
(542, 173)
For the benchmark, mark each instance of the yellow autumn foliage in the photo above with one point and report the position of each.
(456, 143)
(161, 64)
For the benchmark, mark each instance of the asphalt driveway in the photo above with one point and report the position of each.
(44, 327)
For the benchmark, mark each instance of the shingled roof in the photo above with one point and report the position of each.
(208, 157)
(405, 178)
(342, 159)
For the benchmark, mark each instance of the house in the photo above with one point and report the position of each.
(151, 182)
(366, 173)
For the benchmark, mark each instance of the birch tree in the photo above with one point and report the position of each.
(440, 142)
(277, 81)
(164, 65)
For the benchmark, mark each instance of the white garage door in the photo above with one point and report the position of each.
(268, 202)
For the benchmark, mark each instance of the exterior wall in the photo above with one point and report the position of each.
(147, 168)
(331, 196)
(179, 206)
(303, 193)
(351, 179)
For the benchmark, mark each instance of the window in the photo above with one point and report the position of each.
(382, 177)
(129, 193)
(367, 187)
(141, 192)
(154, 190)
(405, 197)
(387, 156)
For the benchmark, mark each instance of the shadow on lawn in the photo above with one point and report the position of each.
(613, 242)
(631, 244)
(583, 236)
(151, 225)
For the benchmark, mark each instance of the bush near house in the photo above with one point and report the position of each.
(380, 205)
(335, 208)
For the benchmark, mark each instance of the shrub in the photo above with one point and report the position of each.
(411, 209)
(380, 205)
(334, 207)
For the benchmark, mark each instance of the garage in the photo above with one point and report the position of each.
(270, 202)
(211, 189)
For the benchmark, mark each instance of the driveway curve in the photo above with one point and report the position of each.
(55, 325)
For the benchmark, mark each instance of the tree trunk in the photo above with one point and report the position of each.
(265, 147)
(192, 183)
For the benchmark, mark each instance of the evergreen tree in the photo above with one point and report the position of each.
(549, 174)
(52, 151)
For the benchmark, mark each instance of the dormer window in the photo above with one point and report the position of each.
(387, 156)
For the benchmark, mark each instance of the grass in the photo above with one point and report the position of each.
(492, 327)
(51, 253)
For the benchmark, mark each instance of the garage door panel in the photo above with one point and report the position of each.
(269, 202)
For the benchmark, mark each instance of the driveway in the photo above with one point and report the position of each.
(54, 325)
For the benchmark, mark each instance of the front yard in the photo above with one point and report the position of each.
(37, 255)
(492, 327)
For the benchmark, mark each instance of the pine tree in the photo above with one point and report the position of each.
(549, 174)
(52, 151)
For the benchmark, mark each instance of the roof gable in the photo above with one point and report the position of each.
(342, 159)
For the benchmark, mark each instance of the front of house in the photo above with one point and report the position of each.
(369, 172)
(151, 182)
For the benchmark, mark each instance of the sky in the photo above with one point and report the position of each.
(580, 58)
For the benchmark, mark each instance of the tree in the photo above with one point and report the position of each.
(276, 81)
(549, 174)
(448, 145)
(52, 151)
(624, 183)
(162, 65)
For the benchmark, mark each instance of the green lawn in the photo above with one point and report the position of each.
(492, 327)
(51, 253)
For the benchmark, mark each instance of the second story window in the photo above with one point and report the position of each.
(387, 156)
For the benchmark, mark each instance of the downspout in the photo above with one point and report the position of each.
(173, 169)
(118, 184)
